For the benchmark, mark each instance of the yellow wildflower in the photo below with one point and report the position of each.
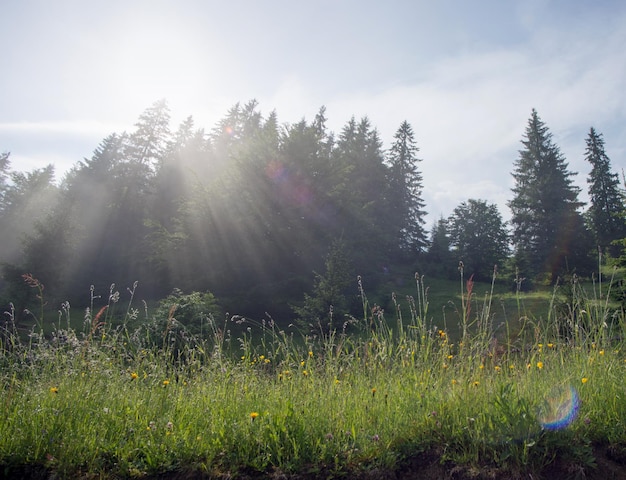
(253, 415)
(166, 383)
(584, 380)
(54, 389)
(539, 365)
(134, 376)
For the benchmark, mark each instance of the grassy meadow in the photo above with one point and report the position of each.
(472, 386)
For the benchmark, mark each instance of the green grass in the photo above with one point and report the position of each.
(242, 397)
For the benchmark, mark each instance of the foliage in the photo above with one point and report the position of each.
(102, 403)
(248, 209)
(607, 212)
(549, 235)
(479, 237)
(406, 189)
(328, 305)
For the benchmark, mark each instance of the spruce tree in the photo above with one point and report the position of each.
(548, 231)
(405, 180)
(606, 210)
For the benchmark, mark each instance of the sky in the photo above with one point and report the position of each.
(465, 74)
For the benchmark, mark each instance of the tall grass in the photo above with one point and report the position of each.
(247, 396)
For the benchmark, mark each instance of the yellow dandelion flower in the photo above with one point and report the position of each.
(302, 363)
(310, 353)
(450, 357)
(539, 365)
(445, 365)
(453, 382)
(54, 389)
(166, 383)
(550, 345)
(134, 376)
(267, 360)
(498, 368)
(253, 415)
(262, 357)
(511, 366)
(336, 381)
(373, 391)
(305, 373)
(476, 383)
(482, 367)
(584, 380)
(601, 352)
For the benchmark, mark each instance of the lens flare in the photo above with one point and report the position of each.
(560, 408)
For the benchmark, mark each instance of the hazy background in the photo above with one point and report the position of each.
(465, 74)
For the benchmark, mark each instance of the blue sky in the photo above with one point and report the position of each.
(465, 74)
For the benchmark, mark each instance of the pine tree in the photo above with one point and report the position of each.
(548, 231)
(406, 190)
(606, 210)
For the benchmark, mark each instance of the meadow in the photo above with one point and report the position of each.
(488, 390)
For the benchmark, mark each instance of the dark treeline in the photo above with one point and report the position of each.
(252, 208)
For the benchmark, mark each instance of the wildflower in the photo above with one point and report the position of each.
(375, 438)
(601, 352)
(329, 436)
(305, 373)
(302, 363)
(152, 426)
(441, 334)
(445, 365)
(584, 380)
(134, 376)
(539, 365)
(450, 357)
(373, 392)
(481, 366)
(253, 415)
(310, 353)
(54, 389)
(336, 381)
(166, 383)
(476, 383)
(262, 357)
(498, 368)
(453, 381)
(169, 426)
(550, 345)
(267, 360)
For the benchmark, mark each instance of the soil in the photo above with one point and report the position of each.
(610, 465)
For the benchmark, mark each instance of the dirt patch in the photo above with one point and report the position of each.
(610, 465)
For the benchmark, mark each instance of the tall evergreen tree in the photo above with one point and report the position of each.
(406, 190)
(606, 210)
(548, 231)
